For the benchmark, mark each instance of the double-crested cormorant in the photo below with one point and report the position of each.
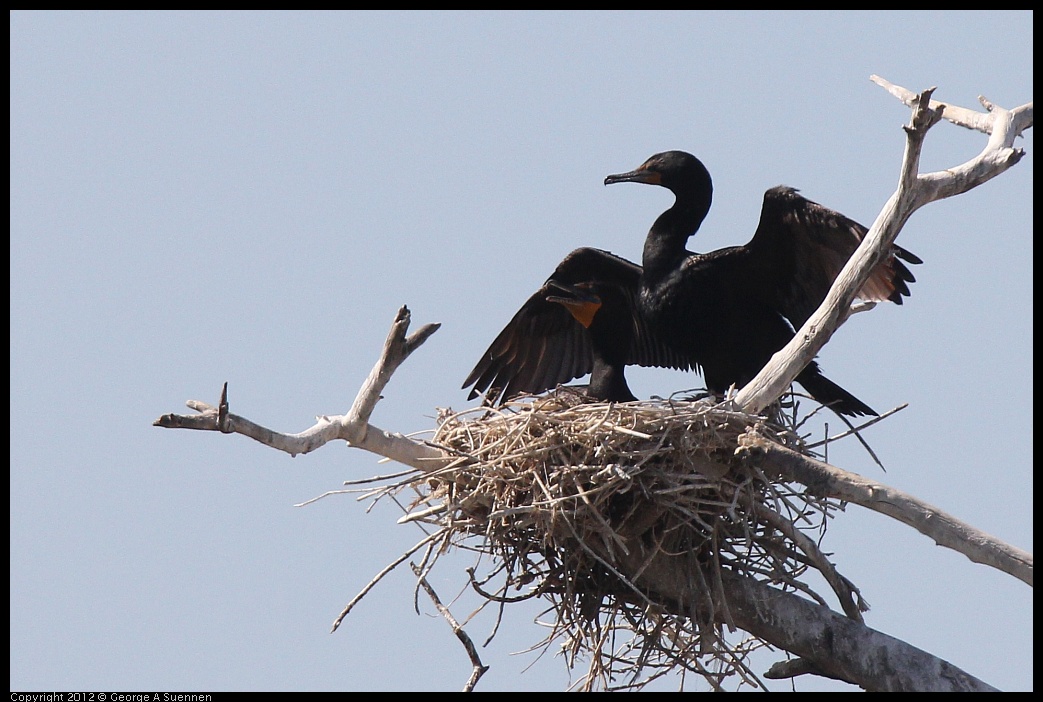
(730, 310)
(584, 319)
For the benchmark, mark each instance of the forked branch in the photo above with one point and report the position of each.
(353, 427)
(914, 190)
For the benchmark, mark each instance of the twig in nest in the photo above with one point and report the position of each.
(478, 670)
(380, 576)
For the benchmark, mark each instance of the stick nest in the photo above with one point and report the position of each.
(581, 504)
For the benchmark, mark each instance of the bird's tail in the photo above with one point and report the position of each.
(832, 395)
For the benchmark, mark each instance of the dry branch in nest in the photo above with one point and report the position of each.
(576, 504)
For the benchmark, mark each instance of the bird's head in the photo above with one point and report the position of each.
(674, 170)
(579, 300)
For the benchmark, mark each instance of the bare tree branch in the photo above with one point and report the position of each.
(353, 427)
(827, 481)
(477, 668)
(840, 647)
(1021, 117)
(829, 643)
(914, 191)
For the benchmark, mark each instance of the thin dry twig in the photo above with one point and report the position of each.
(478, 669)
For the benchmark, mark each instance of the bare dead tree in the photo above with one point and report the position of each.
(827, 643)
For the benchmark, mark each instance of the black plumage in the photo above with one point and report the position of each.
(728, 311)
(583, 319)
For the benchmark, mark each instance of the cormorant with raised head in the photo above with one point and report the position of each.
(730, 310)
(584, 319)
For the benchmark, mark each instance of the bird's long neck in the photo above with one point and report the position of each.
(665, 244)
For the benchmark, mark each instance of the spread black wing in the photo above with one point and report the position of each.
(801, 246)
(544, 345)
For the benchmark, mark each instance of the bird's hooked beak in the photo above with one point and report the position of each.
(639, 175)
(582, 304)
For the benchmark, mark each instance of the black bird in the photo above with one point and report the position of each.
(730, 310)
(584, 319)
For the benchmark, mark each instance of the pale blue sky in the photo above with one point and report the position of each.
(208, 197)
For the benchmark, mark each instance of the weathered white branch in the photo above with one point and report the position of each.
(914, 191)
(830, 643)
(354, 427)
(825, 480)
(840, 647)
(1021, 117)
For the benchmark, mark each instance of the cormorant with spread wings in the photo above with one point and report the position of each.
(730, 310)
(725, 312)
